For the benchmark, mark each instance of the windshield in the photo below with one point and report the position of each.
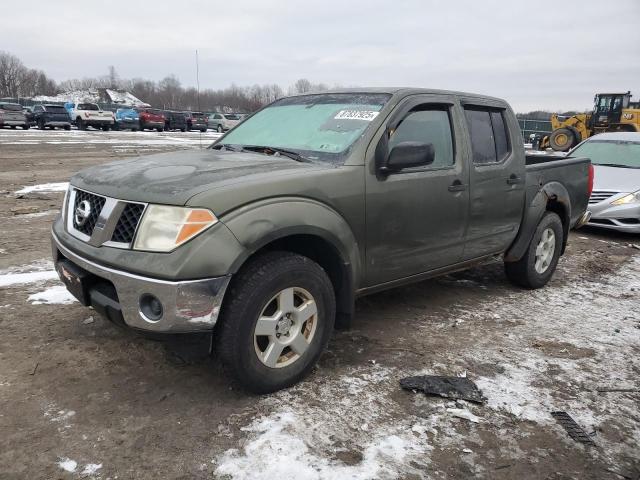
(621, 152)
(319, 127)
(88, 106)
(11, 107)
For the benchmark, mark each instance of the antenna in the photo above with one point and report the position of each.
(198, 90)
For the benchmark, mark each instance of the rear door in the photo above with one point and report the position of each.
(497, 181)
(415, 218)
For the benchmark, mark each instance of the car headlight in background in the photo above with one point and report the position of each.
(630, 198)
(164, 228)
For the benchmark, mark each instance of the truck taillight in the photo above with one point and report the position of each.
(590, 181)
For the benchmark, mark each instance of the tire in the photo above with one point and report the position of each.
(219, 129)
(160, 129)
(67, 127)
(41, 124)
(203, 130)
(182, 129)
(251, 294)
(537, 265)
(105, 128)
(562, 139)
(25, 127)
(81, 124)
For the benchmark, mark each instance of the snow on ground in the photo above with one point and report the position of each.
(44, 188)
(67, 464)
(306, 440)
(10, 279)
(560, 344)
(57, 294)
(115, 139)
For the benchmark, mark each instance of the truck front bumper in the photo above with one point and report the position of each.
(124, 298)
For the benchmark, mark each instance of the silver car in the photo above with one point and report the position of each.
(221, 122)
(615, 201)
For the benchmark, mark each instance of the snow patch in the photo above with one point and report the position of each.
(91, 468)
(44, 188)
(67, 464)
(9, 279)
(53, 295)
(276, 450)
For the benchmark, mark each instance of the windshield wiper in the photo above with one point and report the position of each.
(281, 151)
(228, 146)
(619, 165)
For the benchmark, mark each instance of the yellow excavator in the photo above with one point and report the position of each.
(611, 112)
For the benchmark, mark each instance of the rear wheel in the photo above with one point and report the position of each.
(276, 322)
(160, 129)
(25, 126)
(41, 124)
(537, 265)
(67, 127)
(81, 124)
(562, 140)
(220, 129)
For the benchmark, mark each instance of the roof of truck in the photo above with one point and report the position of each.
(616, 137)
(403, 91)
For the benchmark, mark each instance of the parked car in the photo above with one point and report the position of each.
(127, 118)
(11, 115)
(615, 201)
(221, 122)
(51, 116)
(174, 120)
(317, 199)
(90, 115)
(28, 112)
(196, 121)
(151, 119)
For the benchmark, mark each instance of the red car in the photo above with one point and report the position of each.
(150, 119)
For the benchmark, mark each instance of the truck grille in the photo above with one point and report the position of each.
(598, 196)
(100, 220)
(95, 202)
(128, 222)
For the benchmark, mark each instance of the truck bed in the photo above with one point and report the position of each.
(570, 172)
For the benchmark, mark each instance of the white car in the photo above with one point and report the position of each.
(221, 122)
(91, 115)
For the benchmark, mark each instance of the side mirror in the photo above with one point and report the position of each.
(408, 155)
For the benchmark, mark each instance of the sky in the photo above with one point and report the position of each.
(541, 54)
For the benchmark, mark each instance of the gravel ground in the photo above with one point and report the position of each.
(82, 398)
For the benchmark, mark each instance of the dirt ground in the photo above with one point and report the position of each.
(81, 398)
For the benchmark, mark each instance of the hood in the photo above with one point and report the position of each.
(616, 179)
(173, 178)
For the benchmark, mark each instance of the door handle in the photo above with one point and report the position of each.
(514, 179)
(457, 186)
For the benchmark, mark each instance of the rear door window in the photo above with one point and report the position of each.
(489, 135)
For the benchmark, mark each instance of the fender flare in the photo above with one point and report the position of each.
(552, 196)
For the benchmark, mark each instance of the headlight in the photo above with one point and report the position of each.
(630, 198)
(164, 228)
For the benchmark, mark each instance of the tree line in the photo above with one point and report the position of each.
(16, 80)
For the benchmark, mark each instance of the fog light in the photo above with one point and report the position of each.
(150, 307)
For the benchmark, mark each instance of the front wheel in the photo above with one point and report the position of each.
(220, 129)
(276, 322)
(562, 140)
(537, 265)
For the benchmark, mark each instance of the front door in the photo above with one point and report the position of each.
(416, 217)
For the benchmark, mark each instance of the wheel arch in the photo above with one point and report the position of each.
(308, 228)
(552, 197)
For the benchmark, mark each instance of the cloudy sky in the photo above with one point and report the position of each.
(537, 54)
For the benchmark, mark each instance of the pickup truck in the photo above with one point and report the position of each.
(90, 115)
(50, 116)
(264, 241)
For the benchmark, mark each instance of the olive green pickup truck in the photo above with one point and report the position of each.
(264, 240)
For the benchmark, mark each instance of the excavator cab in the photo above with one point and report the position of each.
(607, 109)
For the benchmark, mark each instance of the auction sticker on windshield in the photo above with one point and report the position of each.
(366, 115)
